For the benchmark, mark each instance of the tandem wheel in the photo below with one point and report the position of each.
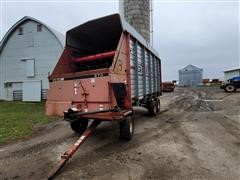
(79, 125)
(154, 107)
(127, 128)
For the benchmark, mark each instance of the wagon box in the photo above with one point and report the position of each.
(105, 69)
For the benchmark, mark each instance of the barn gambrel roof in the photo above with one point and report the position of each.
(60, 37)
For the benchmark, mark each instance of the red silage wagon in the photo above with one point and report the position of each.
(105, 69)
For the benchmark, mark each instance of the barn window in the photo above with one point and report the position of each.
(39, 27)
(30, 67)
(20, 31)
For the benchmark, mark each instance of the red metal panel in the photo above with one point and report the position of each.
(56, 108)
(63, 65)
(79, 74)
(121, 67)
(90, 93)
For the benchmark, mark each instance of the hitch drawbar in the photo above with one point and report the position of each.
(69, 153)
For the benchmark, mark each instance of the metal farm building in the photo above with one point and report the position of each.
(28, 53)
(230, 73)
(190, 76)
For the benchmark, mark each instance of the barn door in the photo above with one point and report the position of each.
(9, 91)
(32, 91)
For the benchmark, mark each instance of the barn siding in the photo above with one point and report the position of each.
(1, 84)
(231, 74)
(45, 49)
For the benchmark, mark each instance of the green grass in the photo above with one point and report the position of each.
(18, 118)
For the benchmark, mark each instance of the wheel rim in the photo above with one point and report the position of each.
(230, 88)
(158, 105)
(131, 127)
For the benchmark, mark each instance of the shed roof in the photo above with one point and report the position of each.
(232, 69)
(191, 68)
(60, 37)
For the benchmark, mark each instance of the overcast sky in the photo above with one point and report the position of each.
(197, 32)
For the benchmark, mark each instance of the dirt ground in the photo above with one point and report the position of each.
(196, 136)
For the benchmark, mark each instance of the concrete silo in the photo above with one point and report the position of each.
(138, 14)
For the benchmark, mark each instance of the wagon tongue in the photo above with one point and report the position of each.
(69, 153)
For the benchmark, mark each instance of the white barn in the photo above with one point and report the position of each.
(28, 54)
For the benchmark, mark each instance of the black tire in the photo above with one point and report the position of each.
(152, 108)
(79, 126)
(230, 88)
(127, 128)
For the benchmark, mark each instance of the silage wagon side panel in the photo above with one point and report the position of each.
(145, 70)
